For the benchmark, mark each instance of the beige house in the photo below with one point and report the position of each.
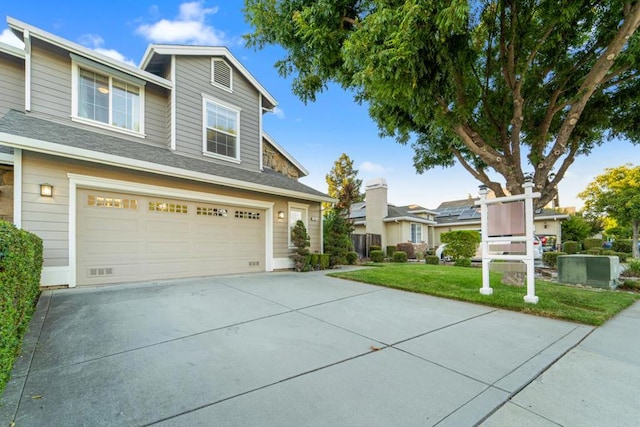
(423, 227)
(140, 173)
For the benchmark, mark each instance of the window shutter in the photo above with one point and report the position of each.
(221, 73)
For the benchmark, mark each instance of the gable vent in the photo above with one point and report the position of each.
(221, 73)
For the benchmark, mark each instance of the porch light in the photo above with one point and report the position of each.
(280, 214)
(46, 190)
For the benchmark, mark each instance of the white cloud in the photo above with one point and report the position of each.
(95, 42)
(9, 38)
(278, 113)
(188, 27)
(370, 167)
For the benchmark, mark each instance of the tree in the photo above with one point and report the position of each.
(484, 84)
(300, 240)
(337, 243)
(616, 193)
(575, 228)
(461, 243)
(344, 185)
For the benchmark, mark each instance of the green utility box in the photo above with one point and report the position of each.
(598, 271)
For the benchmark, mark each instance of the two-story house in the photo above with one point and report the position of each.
(142, 173)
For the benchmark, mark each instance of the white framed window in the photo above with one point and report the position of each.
(297, 212)
(221, 133)
(221, 74)
(106, 100)
(416, 233)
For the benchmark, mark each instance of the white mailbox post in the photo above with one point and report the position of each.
(501, 233)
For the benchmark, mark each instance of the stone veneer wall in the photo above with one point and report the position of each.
(273, 159)
(6, 193)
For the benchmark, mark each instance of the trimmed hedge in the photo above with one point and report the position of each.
(377, 256)
(390, 250)
(623, 256)
(462, 262)
(432, 259)
(622, 245)
(374, 248)
(352, 257)
(407, 248)
(399, 256)
(570, 247)
(551, 258)
(592, 244)
(325, 261)
(20, 267)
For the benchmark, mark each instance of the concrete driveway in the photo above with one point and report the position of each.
(274, 349)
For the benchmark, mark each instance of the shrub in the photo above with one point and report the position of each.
(623, 256)
(375, 248)
(609, 252)
(432, 259)
(593, 251)
(377, 256)
(551, 258)
(633, 267)
(431, 252)
(407, 248)
(630, 284)
(390, 250)
(300, 240)
(419, 256)
(462, 262)
(336, 238)
(399, 256)
(570, 247)
(622, 245)
(352, 257)
(325, 261)
(314, 261)
(592, 244)
(461, 243)
(20, 267)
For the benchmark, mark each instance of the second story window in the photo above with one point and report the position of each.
(106, 100)
(221, 133)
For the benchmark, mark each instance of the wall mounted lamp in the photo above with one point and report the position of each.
(46, 190)
(280, 214)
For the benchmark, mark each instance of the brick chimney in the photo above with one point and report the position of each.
(376, 206)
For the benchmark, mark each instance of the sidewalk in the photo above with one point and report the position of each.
(595, 384)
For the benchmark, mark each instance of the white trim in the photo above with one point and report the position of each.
(411, 233)
(6, 158)
(75, 93)
(51, 148)
(85, 181)
(213, 79)
(17, 187)
(261, 155)
(304, 208)
(27, 70)
(210, 99)
(54, 276)
(205, 51)
(282, 263)
(174, 99)
(409, 219)
(12, 50)
(284, 152)
(87, 53)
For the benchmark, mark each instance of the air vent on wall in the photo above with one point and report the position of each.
(100, 271)
(221, 73)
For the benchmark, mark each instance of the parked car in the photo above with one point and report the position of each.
(549, 242)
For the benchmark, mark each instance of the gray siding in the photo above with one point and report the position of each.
(11, 83)
(193, 78)
(49, 217)
(51, 96)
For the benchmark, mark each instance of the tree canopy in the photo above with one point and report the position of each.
(616, 193)
(506, 88)
(344, 184)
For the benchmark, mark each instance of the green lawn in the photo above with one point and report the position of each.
(588, 306)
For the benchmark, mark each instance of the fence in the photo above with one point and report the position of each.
(362, 243)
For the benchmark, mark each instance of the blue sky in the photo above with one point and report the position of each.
(316, 134)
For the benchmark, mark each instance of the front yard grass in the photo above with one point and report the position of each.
(582, 305)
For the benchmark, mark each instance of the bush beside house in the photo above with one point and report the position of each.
(20, 267)
(461, 243)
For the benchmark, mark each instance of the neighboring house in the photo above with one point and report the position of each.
(394, 224)
(142, 173)
(420, 226)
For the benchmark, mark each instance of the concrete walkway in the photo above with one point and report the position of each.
(595, 384)
(280, 349)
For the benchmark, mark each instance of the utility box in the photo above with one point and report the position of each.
(598, 271)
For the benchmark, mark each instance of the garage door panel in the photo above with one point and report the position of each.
(148, 243)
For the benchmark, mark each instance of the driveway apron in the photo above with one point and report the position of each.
(272, 349)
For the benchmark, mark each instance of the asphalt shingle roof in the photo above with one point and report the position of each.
(21, 124)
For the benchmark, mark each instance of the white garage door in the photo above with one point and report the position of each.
(129, 237)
